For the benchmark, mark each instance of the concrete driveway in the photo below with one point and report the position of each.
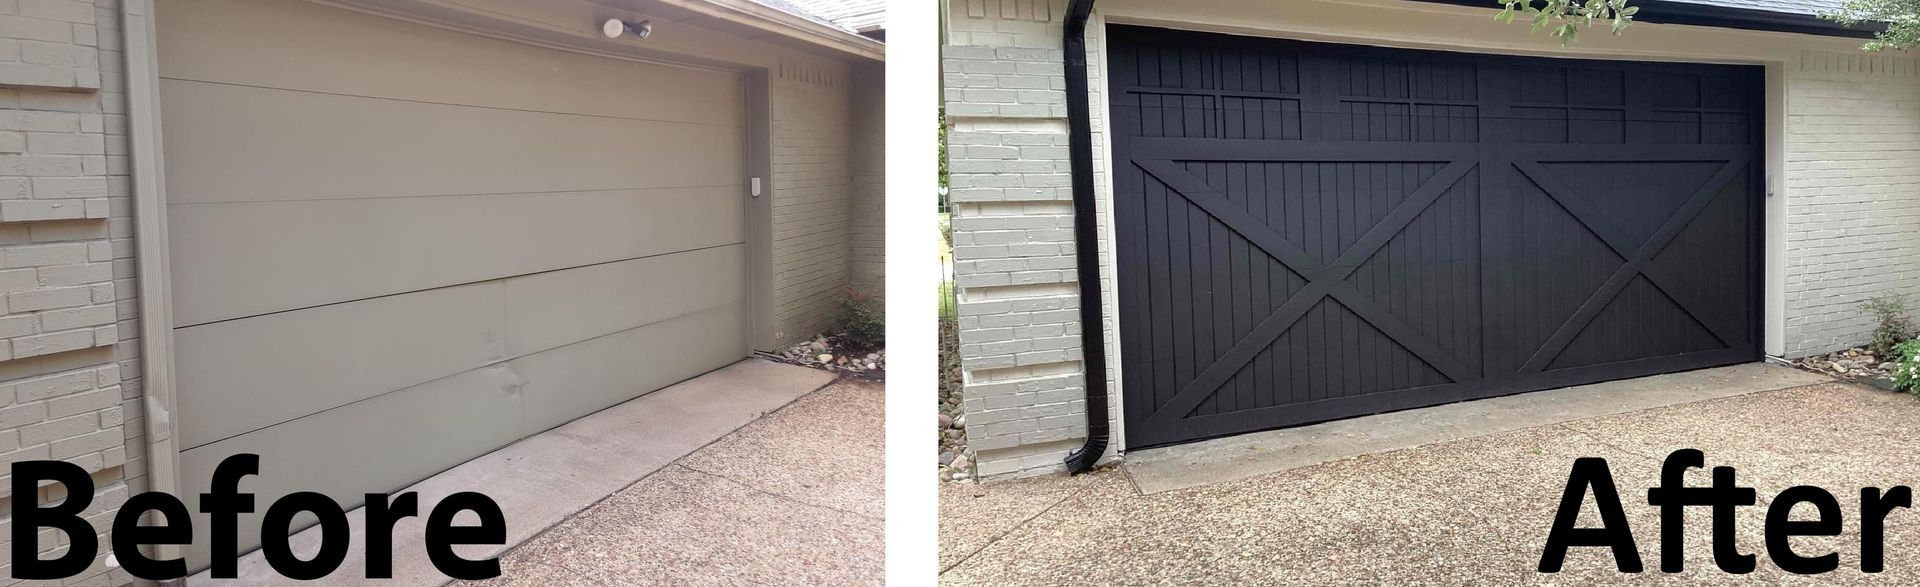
(795, 498)
(1473, 511)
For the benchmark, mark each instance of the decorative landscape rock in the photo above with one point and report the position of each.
(954, 463)
(1855, 364)
(823, 352)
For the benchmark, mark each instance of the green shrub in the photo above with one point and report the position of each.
(860, 325)
(1893, 325)
(1906, 366)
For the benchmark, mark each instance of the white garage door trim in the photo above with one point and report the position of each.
(1413, 26)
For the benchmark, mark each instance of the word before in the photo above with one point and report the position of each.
(1673, 497)
(224, 504)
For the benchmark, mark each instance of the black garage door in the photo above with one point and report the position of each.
(1312, 231)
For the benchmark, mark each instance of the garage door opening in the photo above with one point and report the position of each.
(1312, 231)
(399, 240)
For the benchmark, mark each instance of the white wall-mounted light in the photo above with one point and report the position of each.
(615, 27)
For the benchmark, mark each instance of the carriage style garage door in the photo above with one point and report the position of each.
(1311, 231)
(396, 247)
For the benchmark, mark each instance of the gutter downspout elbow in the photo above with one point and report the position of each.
(1086, 238)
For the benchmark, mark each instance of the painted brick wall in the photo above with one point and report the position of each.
(69, 387)
(869, 240)
(1014, 264)
(1853, 194)
(813, 189)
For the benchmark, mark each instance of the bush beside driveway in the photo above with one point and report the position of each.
(1473, 511)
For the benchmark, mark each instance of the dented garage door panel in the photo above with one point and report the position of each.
(349, 451)
(254, 373)
(384, 234)
(1310, 231)
(245, 375)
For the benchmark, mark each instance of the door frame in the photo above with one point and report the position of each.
(1760, 49)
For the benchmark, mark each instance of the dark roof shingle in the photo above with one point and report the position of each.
(849, 15)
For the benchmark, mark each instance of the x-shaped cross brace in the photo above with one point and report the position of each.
(1637, 258)
(1327, 281)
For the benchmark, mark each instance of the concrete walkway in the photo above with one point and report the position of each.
(543, 479)
(1472, 511)
(795, 498)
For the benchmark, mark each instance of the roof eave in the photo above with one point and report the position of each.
(865, 22)
(773, 20)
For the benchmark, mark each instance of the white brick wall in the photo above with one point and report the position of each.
(69, 373)
(51, 44)
(1853, 185)
(1014, 263)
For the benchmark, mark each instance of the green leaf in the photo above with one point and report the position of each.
(1564, 18)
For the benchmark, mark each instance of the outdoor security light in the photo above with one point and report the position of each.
(614, 27)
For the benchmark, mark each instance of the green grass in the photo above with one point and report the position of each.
(948, 309)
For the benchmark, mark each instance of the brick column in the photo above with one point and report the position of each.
(66, 266)
(1012, 219)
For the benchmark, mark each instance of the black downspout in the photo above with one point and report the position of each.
(1086, 239)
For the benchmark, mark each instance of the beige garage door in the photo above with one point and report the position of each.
(396, 247)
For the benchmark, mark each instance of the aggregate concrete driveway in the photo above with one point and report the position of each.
(794, 498)
(1472, 511)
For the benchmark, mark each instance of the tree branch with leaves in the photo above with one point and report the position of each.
(1565, 18)
(1902, 18)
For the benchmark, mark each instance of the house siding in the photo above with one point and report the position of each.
(69, 368)
(1852, 140)
(1851, 129)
